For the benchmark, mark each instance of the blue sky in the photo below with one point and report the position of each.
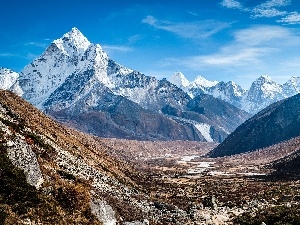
(226, 40)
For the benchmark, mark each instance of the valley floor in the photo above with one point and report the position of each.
(239, 189)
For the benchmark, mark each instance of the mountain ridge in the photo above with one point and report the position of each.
(75, 81)
(278, 122)
(263, 91)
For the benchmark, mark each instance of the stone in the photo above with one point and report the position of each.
(103, 211)
(210, 201)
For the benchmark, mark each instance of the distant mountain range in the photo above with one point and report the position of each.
(263, 91)
(75, 82)
(277, 123)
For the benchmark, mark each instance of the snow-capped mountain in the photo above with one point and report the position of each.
(65, 56)
(200, 86)
(7, 78)
(71, 56)
(291, 87)
(202, 82)
(263, 91)
(179, 80)
(77, 83)
(229, 92)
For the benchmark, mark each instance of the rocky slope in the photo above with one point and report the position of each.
(278, 122)
(263, 91)
(54, 175)
(290, 164)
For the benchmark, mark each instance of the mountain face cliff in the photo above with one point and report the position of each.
(276, 123)
(75, 82)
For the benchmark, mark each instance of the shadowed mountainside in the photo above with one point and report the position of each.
(278, 122)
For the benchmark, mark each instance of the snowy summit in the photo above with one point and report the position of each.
(179, 80)
(73, 41)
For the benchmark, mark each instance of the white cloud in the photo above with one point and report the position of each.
(267, 9)
(194, 30)
(149, 20)
(232, 4)
(8, 55)
(258, 35)
(192, 13)
(249, 47)
(267, 12)
(240, 57)
(291, 18)
(134, 38)
(119, 48)
(37, 44)
(275, 3)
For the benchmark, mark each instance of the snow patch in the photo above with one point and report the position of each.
(204, 129)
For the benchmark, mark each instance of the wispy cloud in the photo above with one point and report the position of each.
(270, 8)
(291, 18)
(29, 56)
(119, 48)
(192, 13)
(267, 12)
(267, 9)
(261, 35)
(240, 57)
(37, 44)
(8, 55)
(232, 4)
(249, 47)
(193, 30)
(150, 20)
(275, 3)
(134, 38)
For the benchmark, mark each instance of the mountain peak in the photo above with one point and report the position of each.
(179, 80)
(199, 80)
(294, 79)
(264, 79)
(7, 78)
(72, 41)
